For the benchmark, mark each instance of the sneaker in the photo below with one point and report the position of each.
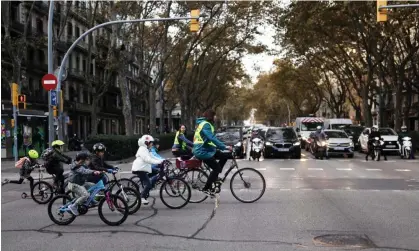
(208, 192)
(5, 182)
(73, 209)
(94, 203)
(144, 201)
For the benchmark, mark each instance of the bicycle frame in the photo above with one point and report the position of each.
(94, 190)
(232, 166)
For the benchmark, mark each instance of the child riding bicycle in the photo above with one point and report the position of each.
(27, 165)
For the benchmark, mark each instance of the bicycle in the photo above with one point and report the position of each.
(239, 173)
(112, 200)
(128, 193)
(42, 191)
(170, 184)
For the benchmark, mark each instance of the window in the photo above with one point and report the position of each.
(14, 11)
(76, 3)
(39, 26)
(78, 63)
(84, 65)
(336, 134)
(69, 29)
(31, 54)
(77, 32)
(281, 134)
(85, 97)
(41, 56)
(91, 69)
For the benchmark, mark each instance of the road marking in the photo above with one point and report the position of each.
(261, 169)
(307, 189)
(412, 161)
(392, 161)
(125, 172)
(374, 169)
(287, 169)
(284, 189)
(344, 169)
(315, 169)
(375, 190)
(402, 170)
(303, 154)
(343, 160)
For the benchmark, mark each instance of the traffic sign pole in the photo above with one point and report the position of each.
(50, 71)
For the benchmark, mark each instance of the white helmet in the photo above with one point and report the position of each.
(375, 127)
(319, 127)
(145, 140)
(404, 128)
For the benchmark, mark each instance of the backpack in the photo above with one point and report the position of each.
(46, 154)
(20, 162)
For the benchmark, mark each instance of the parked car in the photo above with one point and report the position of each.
(353, 132)
(339, 143)
(389, 136)
(233, 136)
(282, 141)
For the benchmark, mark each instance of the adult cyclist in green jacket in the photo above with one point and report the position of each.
(205, 147)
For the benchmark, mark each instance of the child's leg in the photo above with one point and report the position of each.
(81, 194)
(145, 180)
(30, 181)
(20, 181)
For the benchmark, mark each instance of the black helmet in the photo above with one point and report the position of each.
(99, 147)
(82, 156)
(156, 141)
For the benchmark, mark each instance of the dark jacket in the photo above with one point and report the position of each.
(55, 161)
(28, 167)
(98, 164)
(79, 174)
(374, 135)
(402, 135)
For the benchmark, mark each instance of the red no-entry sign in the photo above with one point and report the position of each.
(49, 82)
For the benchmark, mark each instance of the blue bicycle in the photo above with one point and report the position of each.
(117, 205)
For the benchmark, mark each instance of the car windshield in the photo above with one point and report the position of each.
(310, 126)
(281, 134)
(336, 134)
(353, 130)
(338, 126)
(387, 131)
(228, 136)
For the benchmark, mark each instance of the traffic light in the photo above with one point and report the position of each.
(12, 123)
(15, 89)
(195, 21)
(381, 13)
(54, 111)
(21, 100)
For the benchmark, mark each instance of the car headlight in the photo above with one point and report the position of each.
(268, 143)
(296, 143)
(351, 144)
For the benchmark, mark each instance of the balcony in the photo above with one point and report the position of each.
(76, 73)
(111, 109)
(83, 107)
(38, 67)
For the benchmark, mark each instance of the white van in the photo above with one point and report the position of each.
(304, 126)
(335, 124)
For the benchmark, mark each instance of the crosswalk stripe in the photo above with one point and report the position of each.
(261, 169)
(314, 169)
(344, 169)
(402, 170)
(373, 169)
(287, 169)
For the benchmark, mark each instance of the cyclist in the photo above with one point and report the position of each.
(142, 164)
(375, 133)
(53, 162)
(98, 163)
(181, 145)
(205, 148)
(77, 180)
(29, 163)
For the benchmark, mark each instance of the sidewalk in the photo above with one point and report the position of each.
(8, 166)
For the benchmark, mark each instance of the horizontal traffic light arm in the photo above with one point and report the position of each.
(398, 6)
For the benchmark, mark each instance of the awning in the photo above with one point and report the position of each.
(312, 120)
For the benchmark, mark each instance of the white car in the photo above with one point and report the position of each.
(389, 136)
(339, 143)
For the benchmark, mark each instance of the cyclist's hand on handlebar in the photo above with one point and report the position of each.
(230, 148)
(97, 172)
(112, 171)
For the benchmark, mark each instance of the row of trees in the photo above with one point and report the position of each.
(337, 53)
(197, 70)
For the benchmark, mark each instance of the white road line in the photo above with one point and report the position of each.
(391, 161)
(125, 172)
(373, 169)
(375, 190)
(287, 169)
(315, 169)
(344, 169)
(402, 170)
(261, 169)
(284, 189)
(307, 189)
(343, 160)
(412, 161)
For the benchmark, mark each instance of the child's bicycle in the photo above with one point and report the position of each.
(42, 192)
(171, 185)
(115, 203)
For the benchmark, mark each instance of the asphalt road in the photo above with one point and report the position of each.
(341, 199)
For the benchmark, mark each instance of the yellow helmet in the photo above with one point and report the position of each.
(57, 143)
(33, 154)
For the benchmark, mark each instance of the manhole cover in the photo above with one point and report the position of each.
(343, 240)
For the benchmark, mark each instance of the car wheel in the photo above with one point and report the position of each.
(297, 156)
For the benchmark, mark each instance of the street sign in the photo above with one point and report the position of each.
(49, 82)
(67, 119)
(54, 98)
(63, 76)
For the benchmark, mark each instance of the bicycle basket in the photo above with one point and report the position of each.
(189, 164)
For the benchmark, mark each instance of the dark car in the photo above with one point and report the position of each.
(282, 141)
(232, 136)
(353, 132)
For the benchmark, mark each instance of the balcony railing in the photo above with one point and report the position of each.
(74, 72)
(83, 107)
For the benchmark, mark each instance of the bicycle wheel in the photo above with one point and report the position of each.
(42, 192)
(62, 201)
(129, 183)
(177, 187)
(117, 205)
(253, 179)
(196, 179)
(137, 182)
(132, 197)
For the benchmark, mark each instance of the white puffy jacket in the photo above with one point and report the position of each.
(144, 158)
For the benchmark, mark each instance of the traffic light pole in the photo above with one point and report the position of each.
(67, 54)
(14, 103)
(51, 131)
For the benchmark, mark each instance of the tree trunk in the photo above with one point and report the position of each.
(366, 109)
(169, 120)
(152, 107)
(126, 106)
(162, 115)
(398, 104)
(93, 115)
(17, 70)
